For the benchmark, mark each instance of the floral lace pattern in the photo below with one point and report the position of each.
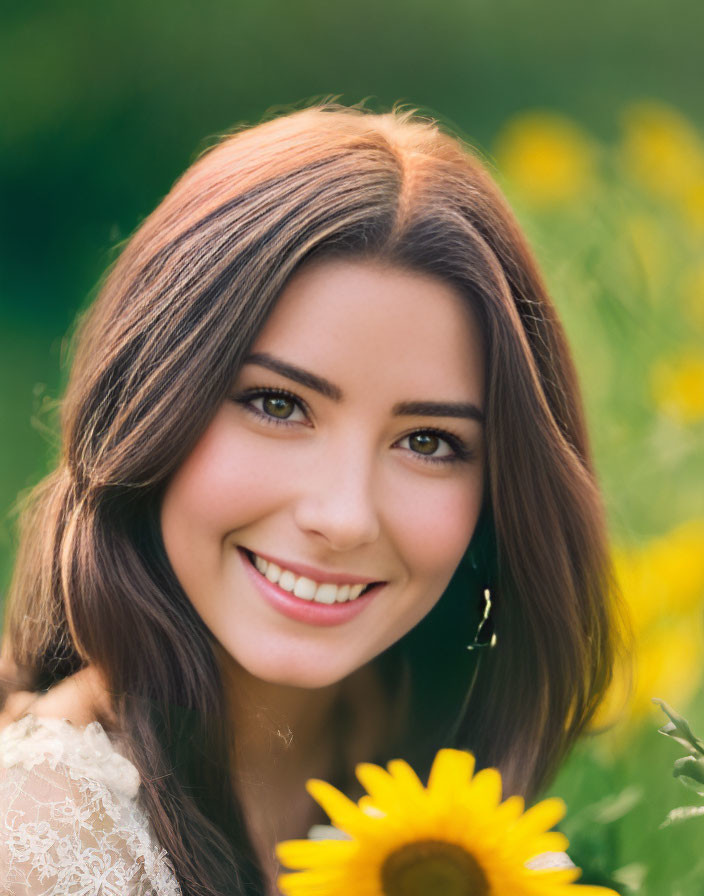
(70, 820)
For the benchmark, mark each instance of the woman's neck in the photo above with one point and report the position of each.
(277, 730)
(282, 736)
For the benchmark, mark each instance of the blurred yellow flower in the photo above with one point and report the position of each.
(662, 583)
(670, 660)
(662, 149)
(546, 157)
(678, 387)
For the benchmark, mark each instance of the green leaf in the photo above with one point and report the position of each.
(690, 771)
(685, 735)
(693, 768)
(670, 730)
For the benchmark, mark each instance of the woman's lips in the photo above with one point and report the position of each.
(307, 611)
(310, 572)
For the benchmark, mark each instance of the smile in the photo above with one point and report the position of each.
(305, 588)
(317, 609)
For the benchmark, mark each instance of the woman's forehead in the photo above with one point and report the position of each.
(369, 322)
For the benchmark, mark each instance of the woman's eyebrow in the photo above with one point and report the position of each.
(465, 409)
(305, 377)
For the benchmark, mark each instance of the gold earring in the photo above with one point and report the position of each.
(484, 620)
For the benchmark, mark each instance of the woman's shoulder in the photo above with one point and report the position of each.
(61, 726)
(83, 751)
(69, 808)
(79, 699)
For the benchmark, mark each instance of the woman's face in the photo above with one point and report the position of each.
(349, 452)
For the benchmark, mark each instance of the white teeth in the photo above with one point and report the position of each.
(304, 588)
(287, 580)
(307, 589)
(326, 594)
(273, 572)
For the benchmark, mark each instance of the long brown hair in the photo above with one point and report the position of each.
(154, 358)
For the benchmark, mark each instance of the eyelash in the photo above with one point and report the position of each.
(461, 451)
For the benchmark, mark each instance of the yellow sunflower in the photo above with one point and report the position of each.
(546, 157)
(453, 838)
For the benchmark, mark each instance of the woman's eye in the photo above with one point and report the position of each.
(274, 406)
(436, 447)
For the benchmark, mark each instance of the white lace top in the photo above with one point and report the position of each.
(70, 821)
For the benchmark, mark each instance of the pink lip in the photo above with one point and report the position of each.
(306, 611)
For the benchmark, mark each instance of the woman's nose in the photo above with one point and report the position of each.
(336, 501)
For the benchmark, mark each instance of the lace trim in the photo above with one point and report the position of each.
(87, 752)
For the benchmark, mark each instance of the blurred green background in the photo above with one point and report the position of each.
(591, 118)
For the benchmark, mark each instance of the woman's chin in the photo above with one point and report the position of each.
(297, 676)
(298, 667)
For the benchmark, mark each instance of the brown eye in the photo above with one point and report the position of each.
(437, 446)
(424, 442)
(274, 406)
(278, 406)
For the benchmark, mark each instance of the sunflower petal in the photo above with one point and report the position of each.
(370, 808)
(343, 812)
(310, 853)
(510, 810)
(451, 770)
(540, 818)
(310, 883)
(485, 789)
(405, 777)
(553, 841)
(380, 786)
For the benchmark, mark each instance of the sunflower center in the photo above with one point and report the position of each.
(432, 866)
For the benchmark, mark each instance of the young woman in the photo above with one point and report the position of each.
(322, 420)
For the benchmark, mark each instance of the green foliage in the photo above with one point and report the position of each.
(689, 769)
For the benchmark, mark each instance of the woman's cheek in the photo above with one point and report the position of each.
(227, 478)
(437, 524)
